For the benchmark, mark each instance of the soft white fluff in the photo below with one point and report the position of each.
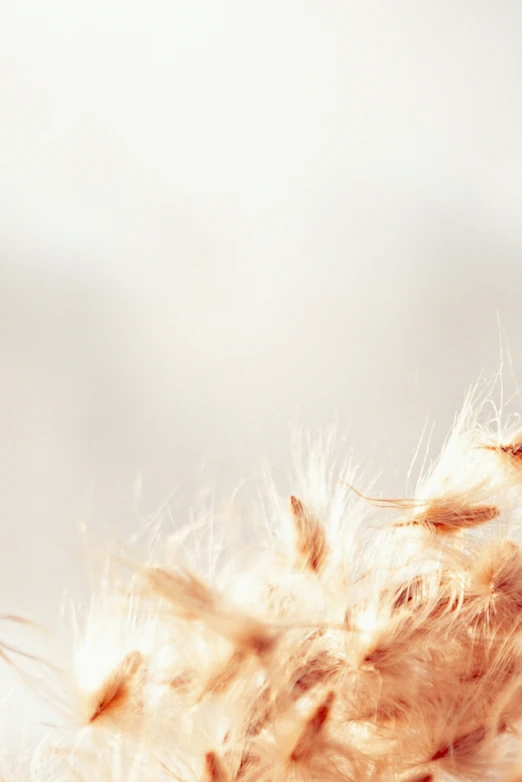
(332, 637)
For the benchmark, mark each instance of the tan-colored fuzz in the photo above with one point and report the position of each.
(121, 691)
(344, 638)
(311, 539)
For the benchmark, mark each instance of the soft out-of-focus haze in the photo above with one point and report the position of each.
(221, 219)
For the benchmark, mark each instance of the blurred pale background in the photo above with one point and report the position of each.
(223, 218)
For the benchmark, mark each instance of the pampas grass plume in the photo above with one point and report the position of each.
(347, 637)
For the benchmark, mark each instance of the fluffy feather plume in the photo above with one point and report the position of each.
(356, 638)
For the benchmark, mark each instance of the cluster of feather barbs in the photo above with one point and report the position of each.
(340, 637)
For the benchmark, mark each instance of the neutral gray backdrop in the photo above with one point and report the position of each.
(220, 219)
